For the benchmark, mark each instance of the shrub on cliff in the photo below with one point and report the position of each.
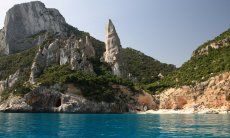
(144, 69)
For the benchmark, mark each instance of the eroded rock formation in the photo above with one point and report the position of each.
(213, 93)
(64, 51)
(9, 82)
(113, 54)
(50, 99)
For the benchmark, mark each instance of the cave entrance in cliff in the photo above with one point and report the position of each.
(58, 103)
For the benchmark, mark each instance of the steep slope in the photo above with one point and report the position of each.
(142, 68)
(200, 85)
(210, 59)
(210, 96)
(60, 69)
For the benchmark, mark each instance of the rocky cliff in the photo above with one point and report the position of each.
(213, 93)
(201, 84)
(24, 20)
(51, 99)
(47, 65)
(50, 66)
(63, 51)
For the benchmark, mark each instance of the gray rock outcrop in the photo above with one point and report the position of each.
(37, 66)
(112, 54)
(15, 104)
(88, 49)
(64, 51)
(24, 20)
(50, 99)
(9, 82)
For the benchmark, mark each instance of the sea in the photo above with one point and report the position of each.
(51, 125)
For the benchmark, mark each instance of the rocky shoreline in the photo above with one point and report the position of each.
(187, 111)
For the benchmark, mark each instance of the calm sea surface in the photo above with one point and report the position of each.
(112, 125)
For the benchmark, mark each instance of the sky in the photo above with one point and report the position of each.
(167, 30)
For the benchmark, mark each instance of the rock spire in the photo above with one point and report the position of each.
(113, 54)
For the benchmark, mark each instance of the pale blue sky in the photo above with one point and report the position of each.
(168, 30)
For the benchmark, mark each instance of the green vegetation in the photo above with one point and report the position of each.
(10, 64)
(98, 86)
(222, 36)
(144, 68)
(74, 31)
(37, 34)
(22, 61)
(94, 87)
(198, 68)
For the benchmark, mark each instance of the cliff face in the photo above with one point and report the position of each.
(63, 51)
(59, 66)
(213, 93)
(50, 99)
(24, 20)
(9, 82)
(60, 69)
(200, 84)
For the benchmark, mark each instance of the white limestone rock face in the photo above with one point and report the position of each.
(64, 56)
(112, 54)
(63, 51)
(24, 20)
(15, 104)
(53, 53)
(50, 99)
(89, 50)
(37, 66)
(9, 82)
(12, 79)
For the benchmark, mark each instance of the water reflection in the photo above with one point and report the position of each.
(197, 125)
(113, 125)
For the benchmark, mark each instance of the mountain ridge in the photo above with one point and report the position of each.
(63, 69)
(58, 68)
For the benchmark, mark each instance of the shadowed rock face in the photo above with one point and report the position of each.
(24, 20)
(112, 54)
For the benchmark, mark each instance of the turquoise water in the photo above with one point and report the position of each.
(112, 125)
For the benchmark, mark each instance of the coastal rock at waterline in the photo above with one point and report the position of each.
(214, 93)
(15, 104)
(50, 99)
